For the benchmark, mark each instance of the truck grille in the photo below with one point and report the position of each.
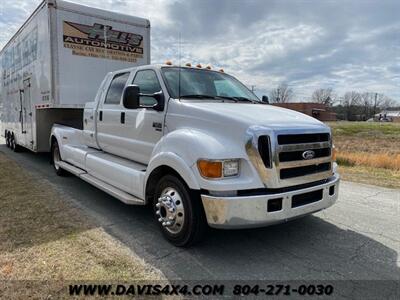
(286, 159)
(286, 139)
(303, 171)
(292, 161)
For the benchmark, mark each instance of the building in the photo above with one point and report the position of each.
(319, 111)
(388, 116)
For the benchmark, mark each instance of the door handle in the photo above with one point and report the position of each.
(101, 115)
(122, 117)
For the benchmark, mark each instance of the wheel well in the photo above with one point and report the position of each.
(155, 176)
(53, 140)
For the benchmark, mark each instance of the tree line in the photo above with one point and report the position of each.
(352, 105)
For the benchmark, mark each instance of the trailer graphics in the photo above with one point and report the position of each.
(101, 41)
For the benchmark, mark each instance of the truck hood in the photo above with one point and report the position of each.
(248, 114)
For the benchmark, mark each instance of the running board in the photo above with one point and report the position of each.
(105, 187)
(70, 168)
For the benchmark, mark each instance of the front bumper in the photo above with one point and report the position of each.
(252, 211)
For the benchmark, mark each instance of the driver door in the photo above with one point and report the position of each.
(143, 127)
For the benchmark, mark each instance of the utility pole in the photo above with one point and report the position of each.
(278, 96)
(376, 97)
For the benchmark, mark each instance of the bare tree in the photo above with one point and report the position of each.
(282, 94)
(367, 102)
(324, 96)
(350, 102)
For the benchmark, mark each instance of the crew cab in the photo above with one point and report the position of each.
(201, 149)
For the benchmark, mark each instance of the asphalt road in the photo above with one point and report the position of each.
(358, 238)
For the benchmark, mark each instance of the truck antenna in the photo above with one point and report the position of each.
(179, 70)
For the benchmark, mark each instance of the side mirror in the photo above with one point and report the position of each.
(265, 99)
(159, 97)
(131, 97)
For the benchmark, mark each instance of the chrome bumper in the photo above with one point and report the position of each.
(252, 211)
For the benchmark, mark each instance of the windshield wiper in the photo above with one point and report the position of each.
(236, 99)
(244, 99)
(209, 97)
(199, 96)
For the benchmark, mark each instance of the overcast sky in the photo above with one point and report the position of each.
(345, 45)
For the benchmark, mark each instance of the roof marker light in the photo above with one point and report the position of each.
(208, 67)
(168, 63)
(198, 65)
(188, 65)
(222, 70)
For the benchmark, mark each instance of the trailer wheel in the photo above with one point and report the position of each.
(13, 143)
(7, 136)
(179, 212)
(56, 158)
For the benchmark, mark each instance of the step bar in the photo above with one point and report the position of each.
(102, 185)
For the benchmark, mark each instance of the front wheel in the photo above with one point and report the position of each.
(179, 212)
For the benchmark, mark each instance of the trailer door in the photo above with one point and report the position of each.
(26, 119)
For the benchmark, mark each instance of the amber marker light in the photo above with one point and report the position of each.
(209, 168)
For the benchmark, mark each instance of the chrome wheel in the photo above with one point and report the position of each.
(170, 210)
(56, 157)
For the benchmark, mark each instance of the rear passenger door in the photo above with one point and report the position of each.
(109, 116)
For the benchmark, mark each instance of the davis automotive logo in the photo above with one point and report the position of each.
(309, 154)
(103, 41)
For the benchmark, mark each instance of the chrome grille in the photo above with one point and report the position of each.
(278, 155)
(291, 150)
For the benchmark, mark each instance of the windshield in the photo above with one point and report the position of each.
(204, 84)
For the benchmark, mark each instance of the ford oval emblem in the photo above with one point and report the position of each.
(309, 154)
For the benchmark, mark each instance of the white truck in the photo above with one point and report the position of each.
(198, 147)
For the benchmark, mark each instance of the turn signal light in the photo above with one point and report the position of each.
(210, 169)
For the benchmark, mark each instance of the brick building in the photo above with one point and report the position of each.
(317, 110)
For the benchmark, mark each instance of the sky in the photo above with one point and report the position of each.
(343, 45)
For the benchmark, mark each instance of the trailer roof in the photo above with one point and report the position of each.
(102, 13)
(86, 10)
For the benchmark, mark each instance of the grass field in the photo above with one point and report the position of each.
(44, 238)
(368, 152)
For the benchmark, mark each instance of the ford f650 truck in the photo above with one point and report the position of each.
(194, 143)
(200, 148)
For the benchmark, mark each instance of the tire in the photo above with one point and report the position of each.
(13, 144)
(55, 157)
(187, 218)
(6, 135)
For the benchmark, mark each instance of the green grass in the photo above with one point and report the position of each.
(365, 129)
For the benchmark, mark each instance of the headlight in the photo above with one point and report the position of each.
(218, 168)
